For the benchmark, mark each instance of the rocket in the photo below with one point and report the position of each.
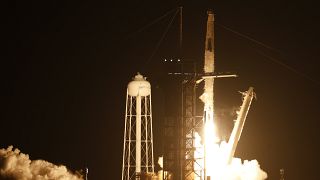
(207, 96)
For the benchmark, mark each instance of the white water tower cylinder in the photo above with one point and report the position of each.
(138, 137)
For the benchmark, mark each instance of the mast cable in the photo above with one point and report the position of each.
(162, 37)
(152, 22)
(279, 62)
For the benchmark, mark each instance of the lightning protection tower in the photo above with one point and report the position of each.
(138, 137)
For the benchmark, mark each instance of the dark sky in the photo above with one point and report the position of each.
(67, 64)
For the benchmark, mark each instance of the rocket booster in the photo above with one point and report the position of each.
(207, 96)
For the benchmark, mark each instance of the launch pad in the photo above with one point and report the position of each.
(192, 150)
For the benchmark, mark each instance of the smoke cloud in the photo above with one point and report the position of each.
(15, 165)
(247, 170)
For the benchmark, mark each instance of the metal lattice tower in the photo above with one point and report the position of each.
(192, 125)
(138, 137)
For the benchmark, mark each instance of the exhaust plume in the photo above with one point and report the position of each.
(15, 165)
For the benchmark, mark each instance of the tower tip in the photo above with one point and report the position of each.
(209, 11)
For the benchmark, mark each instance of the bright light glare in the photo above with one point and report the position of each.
(216, 159)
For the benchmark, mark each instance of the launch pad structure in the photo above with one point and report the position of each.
(191, 122)
(181, 159)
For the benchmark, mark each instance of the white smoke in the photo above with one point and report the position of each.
(248, 170)
(236, 170)
(160, 162)
(15, 165)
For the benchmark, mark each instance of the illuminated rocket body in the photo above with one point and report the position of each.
(138, 138)
(207, 96)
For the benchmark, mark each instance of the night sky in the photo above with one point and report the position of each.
(66, 66)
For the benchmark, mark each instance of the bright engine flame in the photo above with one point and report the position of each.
(214, 154)
(215, 159)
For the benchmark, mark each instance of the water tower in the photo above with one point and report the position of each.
(138, 137)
